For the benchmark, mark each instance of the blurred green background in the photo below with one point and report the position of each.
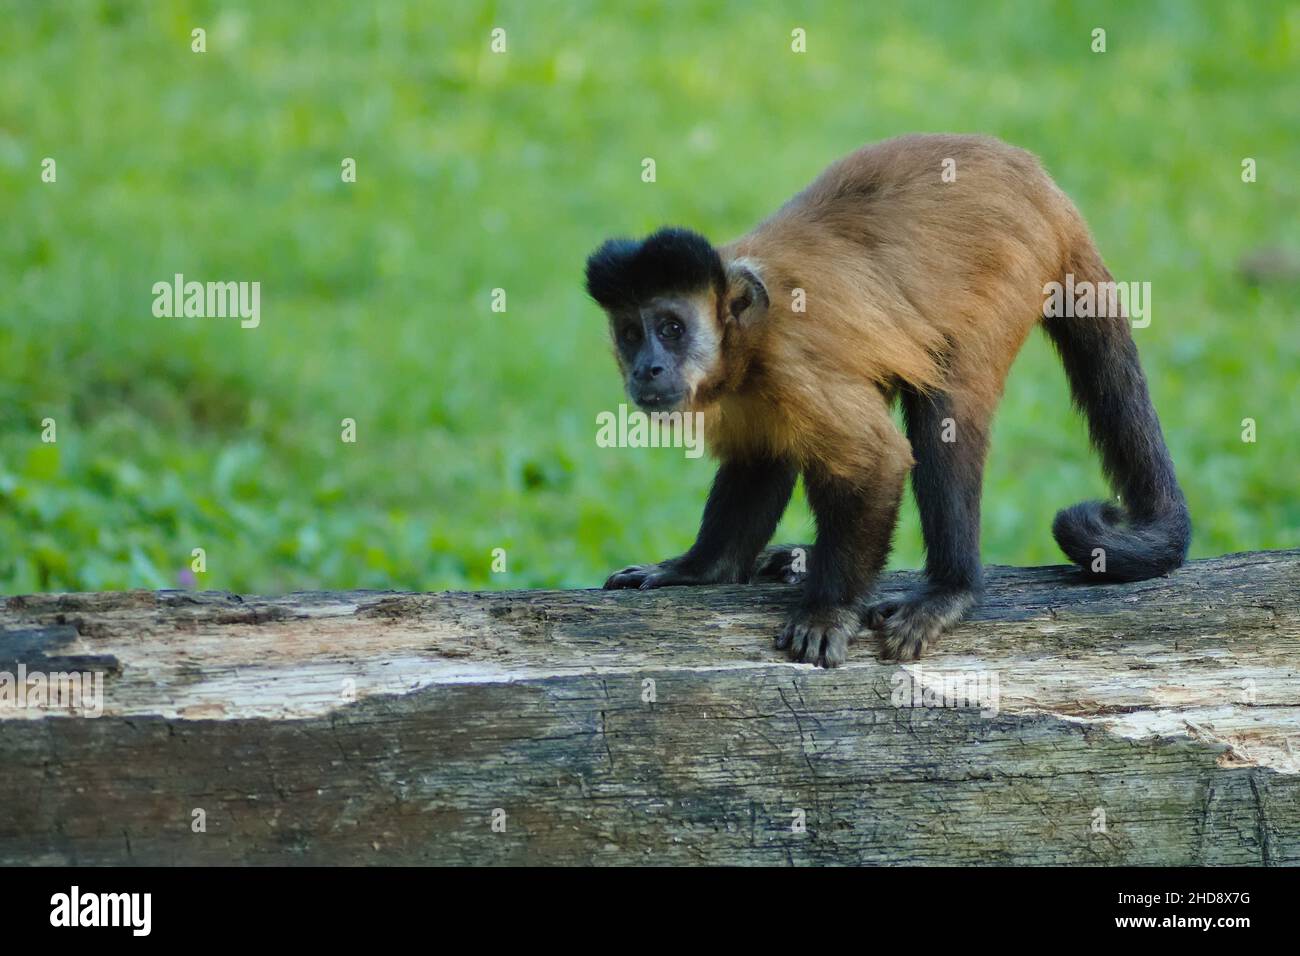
(476, 429)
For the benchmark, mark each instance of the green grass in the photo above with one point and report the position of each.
(477, 171)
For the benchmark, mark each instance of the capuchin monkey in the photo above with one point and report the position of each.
(885, 280)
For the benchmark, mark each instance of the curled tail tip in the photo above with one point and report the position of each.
(1108, 546)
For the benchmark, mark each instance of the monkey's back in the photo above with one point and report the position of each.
(929, 249)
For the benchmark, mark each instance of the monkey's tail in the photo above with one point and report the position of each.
(1149, 535)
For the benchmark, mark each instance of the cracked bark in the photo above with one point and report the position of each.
(374, 727)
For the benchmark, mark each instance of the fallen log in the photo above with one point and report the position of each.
(1065, 723)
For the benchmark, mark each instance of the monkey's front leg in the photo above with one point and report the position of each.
(745, 503)
(855, 522)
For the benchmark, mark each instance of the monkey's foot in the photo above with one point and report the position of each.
(819, 635)
(914, 624)
(662, 575)
(786, 564)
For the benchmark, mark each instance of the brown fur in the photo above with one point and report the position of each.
(908, 281)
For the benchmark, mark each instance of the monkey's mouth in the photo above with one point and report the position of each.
(659, 401)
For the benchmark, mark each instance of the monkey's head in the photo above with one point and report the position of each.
(672, 305)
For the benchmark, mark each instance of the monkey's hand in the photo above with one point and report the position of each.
(912, 625)
(671, 573)
(819, 635)
(785, 564)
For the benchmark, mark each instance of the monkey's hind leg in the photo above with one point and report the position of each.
(782, 564)
(949, 443)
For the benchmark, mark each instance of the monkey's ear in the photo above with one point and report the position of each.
(746, 300)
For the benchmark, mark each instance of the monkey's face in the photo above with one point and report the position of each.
(668, 298)
(666, 347)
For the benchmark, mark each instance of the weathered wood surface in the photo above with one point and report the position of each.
(374, 728)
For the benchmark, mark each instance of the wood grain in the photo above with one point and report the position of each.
(662, 728)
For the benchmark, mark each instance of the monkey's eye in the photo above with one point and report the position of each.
(672, 329)
(631, 334)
